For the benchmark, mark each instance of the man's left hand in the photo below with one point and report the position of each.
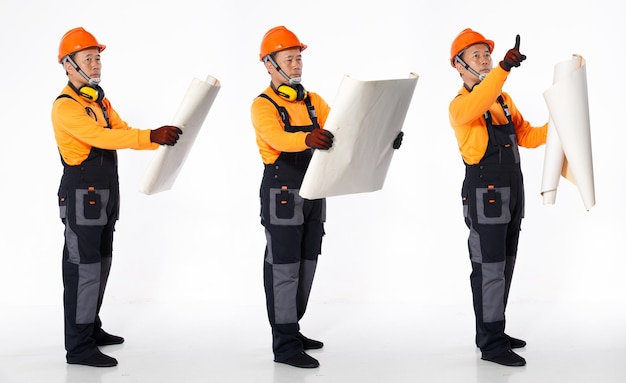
(398, 141)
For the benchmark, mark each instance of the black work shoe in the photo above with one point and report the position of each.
(98, 359)
(302, 360)
(309, 344)
(516, 343)
(507, 358)
(106, 339)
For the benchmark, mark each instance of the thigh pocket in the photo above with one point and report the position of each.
(492, 205)
(62, 206)
(286, 207)
(91, 206)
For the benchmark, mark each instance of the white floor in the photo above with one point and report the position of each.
(363, 343)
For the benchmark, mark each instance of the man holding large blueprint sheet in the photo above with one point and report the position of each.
(489, 128)
(288, 121)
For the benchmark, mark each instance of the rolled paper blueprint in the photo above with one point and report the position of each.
(568, 146)
(169, 160)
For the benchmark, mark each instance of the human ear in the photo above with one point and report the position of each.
(459, 67)
(67, 66)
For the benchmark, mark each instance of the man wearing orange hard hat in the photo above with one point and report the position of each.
(289, 125)
(489, 129)
(88, 131)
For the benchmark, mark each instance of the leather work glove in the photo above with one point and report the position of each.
(165, 135)
(513, 57)
(398, 141)
(319, 139)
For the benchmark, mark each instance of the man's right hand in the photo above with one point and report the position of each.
(513, 57)
(165, 135)
(319, 139)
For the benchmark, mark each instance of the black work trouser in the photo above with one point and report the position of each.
(493, 198)
(89, 205)
(294, 228)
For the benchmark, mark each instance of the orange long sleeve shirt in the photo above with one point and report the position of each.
(271, 137)
(466, 117)
(76, 132)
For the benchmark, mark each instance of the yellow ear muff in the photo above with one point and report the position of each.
(291, 93)
(285, 91)
(91, 93)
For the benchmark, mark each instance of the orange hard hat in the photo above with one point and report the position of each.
(278, 39)
(466, 38)
(76, 40)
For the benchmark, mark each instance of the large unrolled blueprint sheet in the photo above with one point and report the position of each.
(169, 160)
(568, 146)
(365, 118)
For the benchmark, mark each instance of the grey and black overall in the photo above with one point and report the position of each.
(89, 207)
(294, 228)
(493, 206)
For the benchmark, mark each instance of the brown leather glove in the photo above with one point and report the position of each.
(319, 139)
(513, 57)
(165, 135)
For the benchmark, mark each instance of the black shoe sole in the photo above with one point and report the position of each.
(299, 365)
(508, 363)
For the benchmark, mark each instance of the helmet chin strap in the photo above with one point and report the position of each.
(92, 80)
(291, 80)
(480, 76)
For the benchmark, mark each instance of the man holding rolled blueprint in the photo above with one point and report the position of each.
(288, 121)
(88, 131)
(489, 128)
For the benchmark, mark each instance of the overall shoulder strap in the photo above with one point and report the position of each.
(312, 112)
(281, 110)
(88, 110)
(505, 107)
(65, 96)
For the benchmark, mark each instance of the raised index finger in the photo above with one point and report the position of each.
(517, 38)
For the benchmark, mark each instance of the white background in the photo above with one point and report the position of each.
(202, 241)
